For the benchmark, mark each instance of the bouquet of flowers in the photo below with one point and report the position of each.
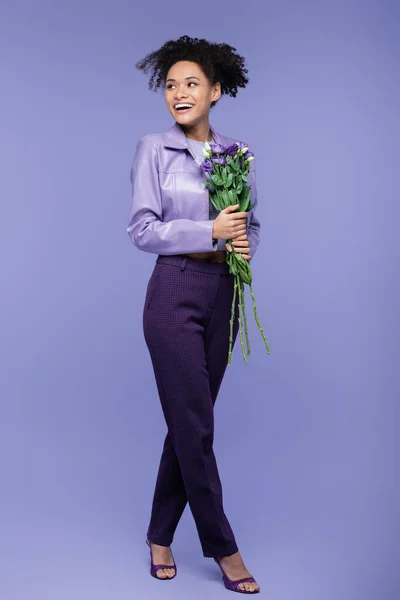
(226, 169)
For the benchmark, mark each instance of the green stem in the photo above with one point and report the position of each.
(231, 321)
(245, 322)
(257, 320)
(240, 320)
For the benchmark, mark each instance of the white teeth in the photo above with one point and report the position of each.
(183, 106)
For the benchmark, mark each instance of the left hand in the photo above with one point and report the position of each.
(242, 245)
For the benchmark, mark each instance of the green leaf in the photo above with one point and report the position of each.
(216, 179)
(235, 164)
(226, 197)
(216, 199)
(229, 180)
(232, 197)
(208, 183)
(244, 177)
(246, 197)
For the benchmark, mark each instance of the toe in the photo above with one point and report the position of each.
(161, 574)
(256, 587)
(241, 587)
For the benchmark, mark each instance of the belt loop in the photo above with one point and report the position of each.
(183, 265)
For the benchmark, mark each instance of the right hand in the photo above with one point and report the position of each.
(228, 224)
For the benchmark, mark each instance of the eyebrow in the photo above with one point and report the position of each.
(191, 77)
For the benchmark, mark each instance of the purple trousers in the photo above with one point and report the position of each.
(186, 327)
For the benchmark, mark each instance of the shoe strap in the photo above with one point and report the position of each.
(244, 580)
(164, 566)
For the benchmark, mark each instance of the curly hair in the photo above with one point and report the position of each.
(219, 62)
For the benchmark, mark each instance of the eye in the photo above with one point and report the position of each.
(192, 83)
(170, 86)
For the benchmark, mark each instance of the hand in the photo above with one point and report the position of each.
(242, 246)
(229, 224)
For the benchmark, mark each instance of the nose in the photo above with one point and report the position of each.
(180, 92)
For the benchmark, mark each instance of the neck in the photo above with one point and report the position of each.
(200, 132)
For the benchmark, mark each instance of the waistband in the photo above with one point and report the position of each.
(201, 266)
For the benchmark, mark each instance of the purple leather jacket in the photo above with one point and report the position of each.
(170, 204)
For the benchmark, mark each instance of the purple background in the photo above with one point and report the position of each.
(305, 437)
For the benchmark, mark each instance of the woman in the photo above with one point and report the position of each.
(188, 301)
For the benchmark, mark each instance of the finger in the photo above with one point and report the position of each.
(243, 251)
(240, 238)
(242, 243)
(238, 230)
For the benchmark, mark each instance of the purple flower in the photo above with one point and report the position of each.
(242, 145)
(248, 154)
(231, 150)
(207, 166)
(217, 148)
(220, 160)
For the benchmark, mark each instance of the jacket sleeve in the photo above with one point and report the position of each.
(146, 228)
(253, 224)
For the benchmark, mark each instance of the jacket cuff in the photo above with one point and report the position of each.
(208, 225)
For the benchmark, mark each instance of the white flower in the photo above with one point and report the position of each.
(244, 150)
(250, 158)
(206, 153)
(207, 147)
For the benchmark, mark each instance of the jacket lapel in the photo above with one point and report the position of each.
(175, 137)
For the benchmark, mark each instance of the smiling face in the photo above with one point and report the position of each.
(189, 93)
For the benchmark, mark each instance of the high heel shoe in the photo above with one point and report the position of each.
(233, 585)
(154, 568)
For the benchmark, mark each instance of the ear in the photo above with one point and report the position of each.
(216, 92)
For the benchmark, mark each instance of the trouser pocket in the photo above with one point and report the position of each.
(152, 286)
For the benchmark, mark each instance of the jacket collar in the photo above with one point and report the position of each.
(175, 137)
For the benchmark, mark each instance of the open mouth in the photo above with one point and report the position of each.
(183, 107)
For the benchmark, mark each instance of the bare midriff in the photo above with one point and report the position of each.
(217, 256)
